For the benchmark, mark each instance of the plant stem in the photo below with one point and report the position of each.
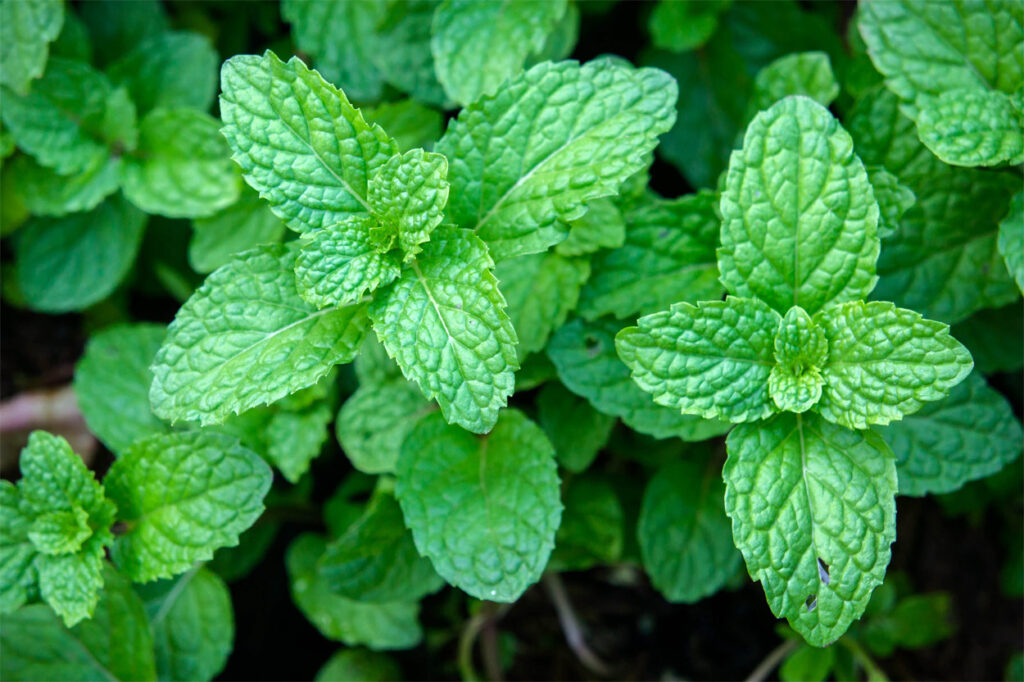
(571, 626)
(875, 674)
(484, 620)
(772, 660)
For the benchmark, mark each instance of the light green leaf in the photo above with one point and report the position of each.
(245, 224)
(299, 141)
(484, 510)
(668, 257)
(444, 322)
(60, 532)
(800, 352)
(295, 438)
(71, 583)
(112, 384)
(813, 511)
(973, 128)
(171, 69)
(971, 434)
(885, 362)
(71, 262)
(183, 168)
(183, 495)
(684, 534)
(681, 25)
(801, 73)
(193, 625)
(576, 429)
(115, 644)
(477, 46)
(515, 189)
(27, 27)
(47, 193)
(377, 626)
(894, 199)
(375, 560)
(17, 576)
(712, 359)
(404, 57)
(584, 355)
(374, 421)
(1011, 239)
(541, 289)
(270, 342)
(601, 227)
(359, 665)
(372, 365)
(799, 217)
(408, 195)
(591, 532)
(409, 122)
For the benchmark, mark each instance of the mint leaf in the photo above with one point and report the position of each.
(668, 256)
(172, 69)
(270, 342)
(605, 117)
(405, 59)
(992, 337)
(814, 513)
(116, 28)
(477, 46)
(375, 560)
(359, 664)
(374, 421)
(894, 199)
(243, 225)
(885, 362)
(800, 352)
(591, 531)
(601, 227)
(1011, 239)
(72, 262)
(28, 29)
(541, 289)
(378, 626)
(192, 624)
(576, 429)
(408, 194)
(338, 264)
(17, 552)
(45, 192)
(684, 534)
(296, 437)
(801, 73)
(183, 495)
(799, 217)
(484, 510)
(584, 355)
(60, 532)
(444, 323)
(71, 583)
(970, 434)
(271, 111)
(409, 122)
(183, 169)
(973, 128)
(681, 25)
(712, 359)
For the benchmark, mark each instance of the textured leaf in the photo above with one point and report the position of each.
(799, 217)
(298, 140)
(377, 626)
(269, 342)
(374, 421)
(405, 58)
(47, 193)
(801, 73)
(359, 665)
(680, 25)
(28, 27)
(409, 122)
(591, 531)
(444, 323)
(295, 438)
(17, 576)
(408, 195)
(971, 434)
(1011, 239)
(712, 359)
(973, 128)
(183, 495)
(541, 289)
(515, 189)
(576, 429)
(601, 227)
(71, 584)
(171, 69)
(584, 355)
(684, 534)
(71, 262)
(885, 362)
(813, 511)
(193, 625)
(484, 510)
(800, 352)
(60, 532)
(668, 257)
(477, 46)
(183, 169)
(894, 199)
(243, 225)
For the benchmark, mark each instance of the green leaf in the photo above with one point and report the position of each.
(801, 73)
(116, 27)
(668, 257)
(478, 46)
(60, 532)
(193, 625)
(601, 227)
(808, 664)
(28, 27)
(444, 322)
(409, 122)
(47, 193)
(799, 217)
(712, 359)
(600, 121)
(171, 69)
(375, 560)
(372, 365)
(269, 342)
(584, 355)
(295, 438)
(894, 199)
(684, 534)
(115, 644)
(17, 576)
(71, 583)
(341, 38)
(484, 510)
(541, 289)
(183, 169)
(375, 420)
(591, 531)
(885, 362)
(800, 352)
(112, 384)
(971, 434)
(993, 337)
(72, 262)
(359, 665)
(681, 25)
(918, 621)
(408, 195)
(243, 225)
(377, 626)
(183, 495)
(973, 128)
(814, 513)
(404, 56)
(73, 40)
(1011, 239)
(576, 429)
(298, 140)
